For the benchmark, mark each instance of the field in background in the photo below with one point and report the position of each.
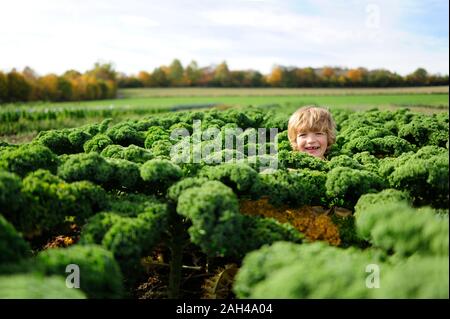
(21, 122)
(166, 92)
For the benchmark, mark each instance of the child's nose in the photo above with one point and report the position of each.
(311, 138)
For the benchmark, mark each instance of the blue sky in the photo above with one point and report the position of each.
(57, 35)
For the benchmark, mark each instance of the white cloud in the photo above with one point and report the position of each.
(53, 36)
(138, 21)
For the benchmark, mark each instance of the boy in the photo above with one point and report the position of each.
(312, 130)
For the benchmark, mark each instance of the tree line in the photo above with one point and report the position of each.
(175, 75)
(102, 81)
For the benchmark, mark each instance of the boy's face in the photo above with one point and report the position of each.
(313, 143)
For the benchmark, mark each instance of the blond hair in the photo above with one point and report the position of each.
(311, 118)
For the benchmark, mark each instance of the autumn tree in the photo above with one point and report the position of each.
(206, 76)
(145, 78)
(328, 76)
(357, 77)
(275, 77)
(49, 87)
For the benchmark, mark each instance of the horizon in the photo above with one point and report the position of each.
(213, 65)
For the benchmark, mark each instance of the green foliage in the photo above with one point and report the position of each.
(379, 146)
(370, 162)
(46, 201)
(131, 153)
(176, 190)
(161, 149)
(97, 226)
(260, 231)
(10, 197)
(300, 160)
(347, 231)
(56, 140)
(160, 174)
(283, 142)
(199, 202)
(18, 88)
(223, 156)
(97, 143)
(386, 196)
(425, 130)
(423, 174)
(12, 246)
(370, 131)
(28, 158)
(37, 286)
(68, 141)
(91, 167)
(416, 277)
(154, 134)
(345, 185)
(218, 227)
(399, 228)
(130, 239)
(125, 175)
(212, 208)
(3, 88)
(295, 188)
(317, 270)
(130, 230)
(344, 161)
(132, 205)
(261, 162)
(240, 177)
(391, 146)
(292, 271)
(100, 276)
(359, 144)
(77, 138)
(124, 134)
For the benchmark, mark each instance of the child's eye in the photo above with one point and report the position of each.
(320, 133)
(301, 134)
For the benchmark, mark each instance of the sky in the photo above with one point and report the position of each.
(52, 36)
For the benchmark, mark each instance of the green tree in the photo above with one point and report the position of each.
(175, 75)
(192, 74)
(418, 77)
(65, 89)
(18, 87)
(222, 76)
(3, 88)
(160, 77)
(103, 71)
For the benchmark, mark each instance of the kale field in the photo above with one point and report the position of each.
(203, 197)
